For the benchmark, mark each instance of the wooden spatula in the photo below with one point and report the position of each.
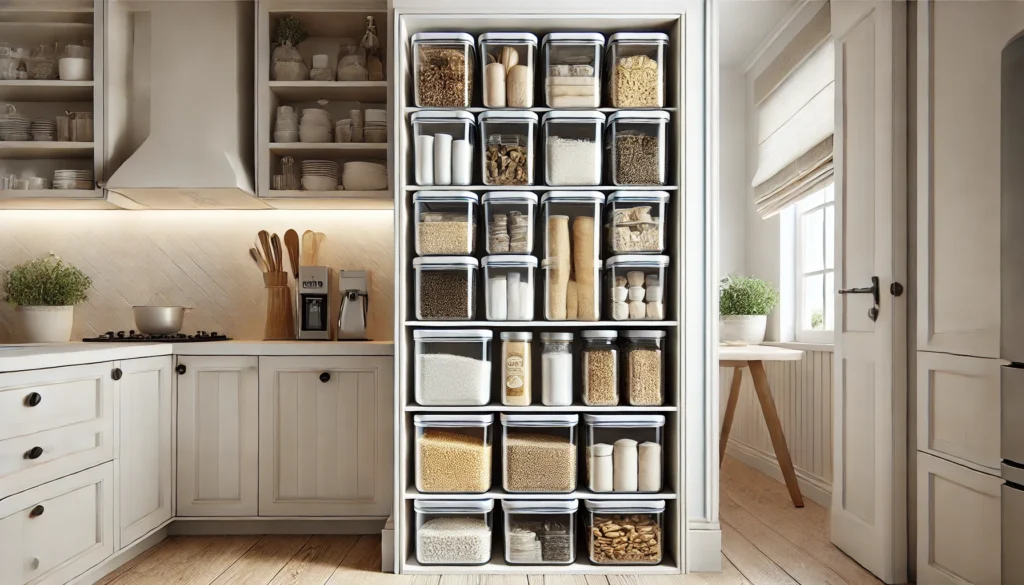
(291, 242)
(268, 253)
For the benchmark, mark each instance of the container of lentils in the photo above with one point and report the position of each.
(572, 62)
(599, 365)
(443, 65)
(556, 368)
(636, 70)
(636, 287)
(452, 366)
(509, 216)
(636, 222)
(509, 281)
(507, 139)
(539, 452)
(446, 288)
(453, 532)
(540, 532)
(445, 223)
(624, 532)
(572, 147)
(624, 452)
(645, 368)
(453, 453)
(637, 145)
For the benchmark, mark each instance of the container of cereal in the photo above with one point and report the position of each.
(539, 452)
(516, 368)
(636, 222)
(507, 140)
(509, 292)
(507, 60)
(636, 287)
(453, 532)
(540, 532)
(636, 70)
(644, 383)
(572, 264)
(445, 222)
(637, 146)
(509, 216)
(642, 523)
(599, 367)
(452, 366)
(572, 147)
(444, 142)
(453, 453)
(443, 65)
(624, 452)
(572, 69)
(445, 288)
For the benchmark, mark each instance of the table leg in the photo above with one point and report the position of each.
(730, 412)
(771, 418)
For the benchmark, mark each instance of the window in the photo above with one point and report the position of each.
(814, 267)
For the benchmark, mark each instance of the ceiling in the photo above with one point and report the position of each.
(744, 24)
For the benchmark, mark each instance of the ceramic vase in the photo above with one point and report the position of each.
(46, 324)
(742, 329)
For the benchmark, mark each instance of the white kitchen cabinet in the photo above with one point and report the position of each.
(218, 420)
(325, 436)
(146, 489)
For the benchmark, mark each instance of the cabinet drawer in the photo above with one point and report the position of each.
(32, 460)
(41, 400)
(58, 530)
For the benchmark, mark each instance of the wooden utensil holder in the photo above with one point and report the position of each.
(280, 320)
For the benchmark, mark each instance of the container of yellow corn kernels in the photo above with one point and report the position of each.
(453, 453)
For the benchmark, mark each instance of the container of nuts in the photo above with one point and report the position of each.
(625, 532)
(539, 452)
(446, 287)
(443, 65)
(453, 453)
(507, 138)
(445, 223)
(637, 147)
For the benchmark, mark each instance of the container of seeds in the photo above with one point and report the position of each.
(623, 532)
(510, 283)
(453, 532)
(453, 452)
(624, 452)
(509, 216)
(572, 147)
(452, 366)
(445, 288)
(636, 222)
(636, 287)
(445, 223)
(645, 368)
(443, 65)
(507, 138)
(599, 365)
(539, 452)
(540, 532)
(637, 147)
(636, 70)
(572, 69)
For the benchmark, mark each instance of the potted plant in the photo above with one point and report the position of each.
(743, 305)
(45, 292)
(286, 59)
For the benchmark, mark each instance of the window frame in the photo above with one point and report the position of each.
(800, 334)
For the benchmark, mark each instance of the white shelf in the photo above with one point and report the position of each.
(371, 92)
(542, 324)
(313, 149)
(35, 90)
(623, 408)
(498, 566)
(413, 109)
(36, 150)
(536, 188)
(499, 494)
(329, 200)
(49, 194)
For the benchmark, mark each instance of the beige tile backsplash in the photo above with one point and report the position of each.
(198, 259)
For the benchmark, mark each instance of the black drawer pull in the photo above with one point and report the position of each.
(181, 369)
(116, 374)
(34, 453)
(33, 399)
(325, 377)
(37, 511)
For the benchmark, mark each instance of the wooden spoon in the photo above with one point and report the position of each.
(268, 253)
(291, 241)
(275, 244)
(260, 262)
(308, 242)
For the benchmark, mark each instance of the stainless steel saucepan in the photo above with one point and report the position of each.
(159, 320)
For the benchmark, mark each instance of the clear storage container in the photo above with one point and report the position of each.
(453, 453)
(636, 287)
(507, 139)
(641, 523)
(516, 368)
(572, 261)
(445, 288)
(572, 69)
(636, 70)
(599, 366)
(509, 292)
(636, 222)
(443, 65)
(645, 368)
(624, 452)
(452, 366)
(445, 222)
(638, 147)
(556, 368)
(509, 216)
(539, 452)
(540, 532)
(444, 147)
(572, 147)
(453, 532)
(507, 61)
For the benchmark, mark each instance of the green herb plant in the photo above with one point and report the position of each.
(46, 281)
(290, 31)
(743, 295)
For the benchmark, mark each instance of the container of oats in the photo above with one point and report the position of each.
(637, 147)
(644, 379)
(636, 70)
(453, 453)
(599, 365)
(539, 452)
(445, 223)
(636, 287)
(509, 216)
(443, 65)
(624, 532)
(572, 67)
(453, 532)
(636, 222)
(507, 140)
(446, 287)
(624, 452)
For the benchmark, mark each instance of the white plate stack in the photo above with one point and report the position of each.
(73, 179)
(365, 176)
(15, 127)
(319, 175)
(286, 128)
(44, 130)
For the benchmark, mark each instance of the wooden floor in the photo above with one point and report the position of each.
(765, 541)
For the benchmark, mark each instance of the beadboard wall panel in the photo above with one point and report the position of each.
(198, 259)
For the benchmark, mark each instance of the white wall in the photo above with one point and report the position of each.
(732, 171)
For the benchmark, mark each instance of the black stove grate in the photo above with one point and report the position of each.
(132, 335)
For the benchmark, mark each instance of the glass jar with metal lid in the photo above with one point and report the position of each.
(645, 368)
(516, 368)
(444, 142)
(572, 69)
(636, 70)
(445, 222)
(446, 288)
(540, 532)
(645, 540)
(636, 287)
(507, 61)
(638, 148)
(556, 368)
(636, 222)
(443, 65)
(452, 367)
(572, 247)
(509, 217)
(510, 283)
(599, 365)
(507, 138)
(453, 453)
(453, 532)
(572, 147)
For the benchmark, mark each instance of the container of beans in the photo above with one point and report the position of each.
(572, 147)
(637, 147)
(540, 532)
(636, 70)
(636, 287)
(509, 216)
(599, 365)
(445, 288)
(453, 453)
(453, 532)
(452, 367)
(444, 142)
(572, 255)
(645, 368)
(624, 452)
(572, 69)
(443, 65)
(623, 532)
(507, 138)
(539, 452)
(509, 292)
(636, 222)
(507, 59)
(445, 223)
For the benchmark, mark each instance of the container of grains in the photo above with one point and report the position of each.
(572, 264)
(572, 147)
(540, 532)
(636, 70)
(445, 222)
(509, 292)
(556, 368)
(636, 287)
(572, 69)
(507, 61)
(539, 452)
(624, 452)
(509, 216)
(636, 142)
(636, 222)
(443, 65)
(507, 139)
(516, 368)
(622, 532)
(453, 453)
(445, 287)
(645, 368)
(452, 366)
(453, 532)
(444, 141)
(599, 367)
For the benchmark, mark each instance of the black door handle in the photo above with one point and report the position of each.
(34, 453)
(37, 511)
(180, 369)
(864, 290)
(33, 399)
(325, 377)
(116, 373)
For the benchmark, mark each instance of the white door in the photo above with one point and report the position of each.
(869, 485)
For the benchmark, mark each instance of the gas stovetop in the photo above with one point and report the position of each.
(132, 335)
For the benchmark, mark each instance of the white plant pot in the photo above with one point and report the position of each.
(742, 329)
(46, 324)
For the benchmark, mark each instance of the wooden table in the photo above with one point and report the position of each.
(753, 357)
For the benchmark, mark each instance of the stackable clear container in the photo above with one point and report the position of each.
(507, 142)
(636, 222)
(507, 60)
(556, 368)
(453, 453)
(624, 452)
(445, 288)
(599, 367)
(453, 532)
(540, 532)
(445, 222)
(644, 365)
(637, 144)
(636, 70)
(516, 368)
(509, 216)
(572, 246)
(443, 65)
(452, 366)
(641, 523)
(636, 287)
(444, 142)
(572, 147)
(572, 69)
(539, 452)
(509, 287)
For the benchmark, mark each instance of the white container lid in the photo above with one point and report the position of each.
(445, 196)
(600, 334)
(556, 336)
(643, 334)
(517, 336)
(540, 506)
(637, 260)
(453, 420)
(447, 334)
(506, 115)
(540, 420)
(440, 116)
(573, 197)
(644, 115)
(442, 506)
(510, 197)
(577, 37)
(638, 196)
(437, 37)
(585, 115)
(508, 37)
(441, 261)
(510, 260)
(376, 115)
(625, 420)
(628, 506)
(638, 37)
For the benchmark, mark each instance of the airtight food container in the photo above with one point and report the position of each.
(644, 368)
(572, 249)
(636, 287)
(572, 147)
(624, 452)
(509, 217)
(636, 222)
(572, 69)
(510, 284)
(445, 222)
(443, 66)
(637, 147)
(636, 70)
(540, 532)
(445, 287)
(507, 139)
(453, 532)
(453, 453)
(507, 61)
(444, 144)
(642, 523)
(539, 452)
(452, 366)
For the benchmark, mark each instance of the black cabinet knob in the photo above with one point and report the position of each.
(180, 369)
(325, 377)
(34, 453)
(116, 374)
(33, 399)
(37, 511)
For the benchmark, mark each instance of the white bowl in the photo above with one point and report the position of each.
(312, 183)
(286, 136)
(315, 123)
(311, 112)
(314, 136)
(75, 69)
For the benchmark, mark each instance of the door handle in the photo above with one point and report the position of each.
(872, 290)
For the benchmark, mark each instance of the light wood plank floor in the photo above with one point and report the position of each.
(766, 541)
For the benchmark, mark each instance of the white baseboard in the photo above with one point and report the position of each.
(121, 557)
(240, 526)
(813, 488)
(387, 546)
(704, 551)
